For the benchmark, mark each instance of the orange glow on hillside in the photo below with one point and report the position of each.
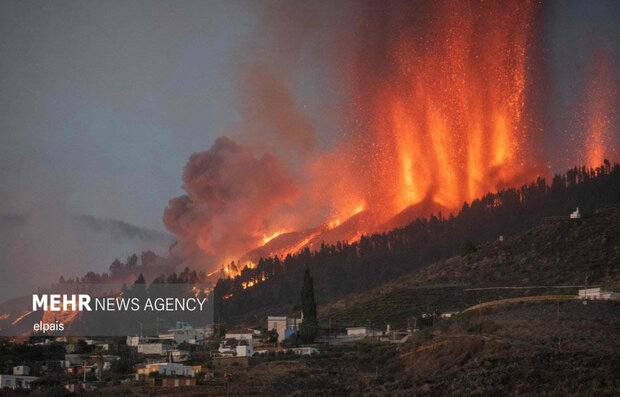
(18, 319)
(267, 238)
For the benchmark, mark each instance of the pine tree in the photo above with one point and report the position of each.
(309, 325)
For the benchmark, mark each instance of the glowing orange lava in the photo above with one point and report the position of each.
(448, 120)
(601, 97)
(267, 238)
(18, 319)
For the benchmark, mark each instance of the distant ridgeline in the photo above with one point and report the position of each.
(345, 268)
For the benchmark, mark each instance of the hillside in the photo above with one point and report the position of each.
(542, 259)
(556, 252)
(523, 349)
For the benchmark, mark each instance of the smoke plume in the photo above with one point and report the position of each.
(231, 201)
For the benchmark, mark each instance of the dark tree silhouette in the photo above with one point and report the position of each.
(309, 324)
(467, 248)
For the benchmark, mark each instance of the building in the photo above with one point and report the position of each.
(16, 381)
(177, 355)
(448, 314)
(269, 349)
(75, 359)
(169, 369)
(598, 294)
(302, 351)
(173, 382)
(101, 345)
(21, 370)
(305, 351)
(245, 334)
(225, 350)
(244, 351)
(53, 366)
(575, 214)
(284, 326)
(185, 333)
(363, 332)
(154, 348)
(137, 340)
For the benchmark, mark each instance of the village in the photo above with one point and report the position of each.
(168, 359)
(188, 355)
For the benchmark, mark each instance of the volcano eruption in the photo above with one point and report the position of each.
(443, 106)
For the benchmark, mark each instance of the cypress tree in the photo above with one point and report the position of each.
(309, 325)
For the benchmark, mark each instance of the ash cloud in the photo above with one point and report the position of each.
(271, 122)
(232, 198)
(250, 185)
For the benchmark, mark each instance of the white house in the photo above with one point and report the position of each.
(284, 326)
(597, 293)
(363, 331)
(240, 335)
(185, 333)
(244, 351)
(16, 381)
(305, 351)
(226, 350)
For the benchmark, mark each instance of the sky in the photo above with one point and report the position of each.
(103, 102)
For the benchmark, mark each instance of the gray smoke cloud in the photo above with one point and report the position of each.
(232, 198)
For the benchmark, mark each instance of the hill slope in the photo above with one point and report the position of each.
(546, 257)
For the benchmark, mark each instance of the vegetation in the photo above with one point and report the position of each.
(309, 324)
(467, 248)
(536, 262)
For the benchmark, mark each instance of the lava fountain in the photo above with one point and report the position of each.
(600, 96)
(445, 102)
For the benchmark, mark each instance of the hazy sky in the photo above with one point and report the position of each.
(102, 102)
